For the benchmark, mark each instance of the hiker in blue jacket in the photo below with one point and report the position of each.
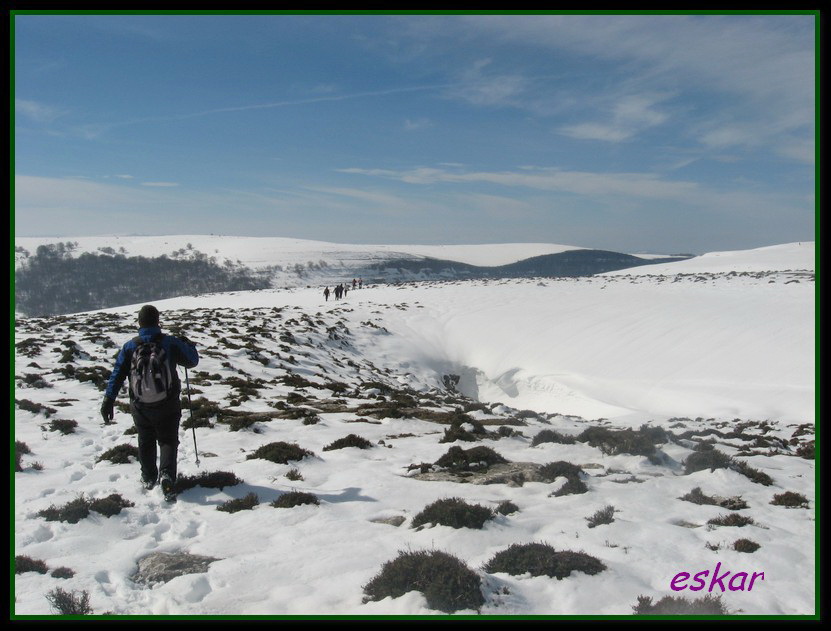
(155, 402)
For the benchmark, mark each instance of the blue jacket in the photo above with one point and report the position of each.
(177, 351)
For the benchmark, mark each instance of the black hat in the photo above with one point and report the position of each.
(148, 316)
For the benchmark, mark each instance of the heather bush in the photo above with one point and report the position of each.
(208, 479)
(25, 563)
(453, 512)
(447, 583)
(64, 426)
(731, 519)
(541, 559)
(551, 436)
(69, 603)
(71, 512)
(458, 459)
(676, 606)
(280, 452)
(745, 545)
(62, 572)
(352, 440)
(696, 496)
(605, 515)
(295, 498)
(20, 449)
(506, 507)
(110, 505)
(243, 503)
(711, 459)
(790, 500)
(120, 454)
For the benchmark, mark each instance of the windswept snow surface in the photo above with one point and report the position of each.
(700, 353)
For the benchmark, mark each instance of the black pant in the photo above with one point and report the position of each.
(158, 424)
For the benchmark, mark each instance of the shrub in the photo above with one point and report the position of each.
(72, 512)
(280, 452)
(559, 469)
(458, 459)
(790, 499)
(732, 519)
(447, 583)
(754, 475)
(352, 440)
(550, 436)
(213, 480)
(20, 449)
(64, 426)
(745, 545)
(806, 451)
(68, 603)
(35, 408)
(62, 572)
(605, 515)
(243, 503)
(295, 498)
(506, 507)
(120, 454)
(110, 505)
(711, 459)
(541, 559)
(696, 496)
(675, 606)
(624, 441)
(294, 475)
(28, 564)
(453, 512)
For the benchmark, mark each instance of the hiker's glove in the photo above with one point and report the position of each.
(107, 409)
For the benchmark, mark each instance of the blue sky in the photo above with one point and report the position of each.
(636, 133)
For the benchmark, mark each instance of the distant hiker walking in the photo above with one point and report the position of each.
(345, 289)
(149, 361)
(326, 294)
(360, 283)
(354, 284)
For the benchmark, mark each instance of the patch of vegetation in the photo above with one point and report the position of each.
(35, 408)
(110, 505)
(34, 381)
(676, 606)
(713, 459)
(696, 496)
(25, 563)
(69, 603)
(806, 451)
(295, 498)
(790, 500)
(560, 469)
(605, 515)
(243, 503)
(62, 572)
(352, 440)
(120, 454)
(64, 426)
(754, 475)
(20, 449)
(541, 559)
(208, 479)
(731, 519)
(506, 507)
(294, 475)
(551, 436)
(446, 582)
(476, 458)
(71, 512)
(280, 452)
(745, 545)
(639, 442)
(201, 410)
(453, 512)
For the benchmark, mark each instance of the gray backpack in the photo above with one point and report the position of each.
(151, 380)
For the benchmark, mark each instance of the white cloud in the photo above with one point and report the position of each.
(419, 123)
(38, 112)
(160, 184)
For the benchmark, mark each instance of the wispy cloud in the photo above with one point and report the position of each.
(160, 184)
(417, 124)
(38, 112)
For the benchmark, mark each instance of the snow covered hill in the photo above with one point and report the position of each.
(623, 388)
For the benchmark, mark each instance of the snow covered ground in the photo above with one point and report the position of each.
(720, 347)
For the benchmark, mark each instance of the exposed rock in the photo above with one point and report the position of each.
(161, 567)
(396, 520)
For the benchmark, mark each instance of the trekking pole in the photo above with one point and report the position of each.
(192, 426)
